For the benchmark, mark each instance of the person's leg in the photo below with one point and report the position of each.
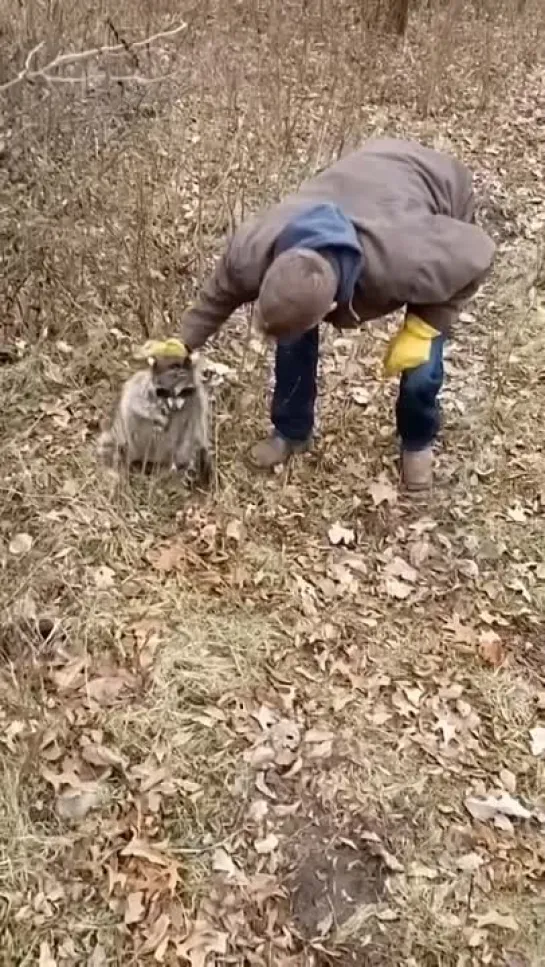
(294, 399)
(418, 416)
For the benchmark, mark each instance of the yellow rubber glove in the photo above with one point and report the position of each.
(410, 347)
(161, 349)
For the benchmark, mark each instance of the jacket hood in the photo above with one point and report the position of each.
(325, 229)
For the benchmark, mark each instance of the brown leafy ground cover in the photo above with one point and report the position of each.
(297, 721)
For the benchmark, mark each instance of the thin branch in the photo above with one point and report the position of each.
(28, 73)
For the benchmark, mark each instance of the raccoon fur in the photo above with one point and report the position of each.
(161, 420)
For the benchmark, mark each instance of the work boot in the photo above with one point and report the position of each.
(417, 468)
(275, 450)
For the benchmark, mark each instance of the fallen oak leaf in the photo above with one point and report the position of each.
(106, 689)
(267, 845)
(222, 862)
(134, 907)
(338, 534)
(491, 648)
(142, 850)
(156, 936)
(104, 577)
(74, 804)
(398, 568)
(320, 750)
(168, 557)
(100, 755)
(469, 862)
(496, 806)
(420, 871)
(202, 942)
(495, 919)
(46, 957)
(70, 676)
(397, 589)
(537, 736)
(318, 736)
(20, 544)
(382, 491)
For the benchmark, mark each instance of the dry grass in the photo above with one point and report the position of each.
(182, 623)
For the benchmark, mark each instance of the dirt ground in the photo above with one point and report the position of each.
(297, 721)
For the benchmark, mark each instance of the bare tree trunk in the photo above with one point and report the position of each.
(398, 16)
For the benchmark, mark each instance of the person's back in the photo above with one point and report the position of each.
(387, 226)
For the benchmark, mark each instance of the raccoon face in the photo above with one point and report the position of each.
(173, 381)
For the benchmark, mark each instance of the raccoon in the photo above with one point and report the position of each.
(161, 420)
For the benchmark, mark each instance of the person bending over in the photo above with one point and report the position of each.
(390, 226)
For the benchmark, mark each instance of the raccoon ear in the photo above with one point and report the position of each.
(151, 362)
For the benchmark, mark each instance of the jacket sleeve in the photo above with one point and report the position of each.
(220, 295)
(459, 258)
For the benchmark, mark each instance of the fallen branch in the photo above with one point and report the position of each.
(31, 73)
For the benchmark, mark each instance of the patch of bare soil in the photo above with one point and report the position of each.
(334, 876)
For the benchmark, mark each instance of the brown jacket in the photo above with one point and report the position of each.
(413, 210)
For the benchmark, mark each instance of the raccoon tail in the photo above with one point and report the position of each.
(107, 449)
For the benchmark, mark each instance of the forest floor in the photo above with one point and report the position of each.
(299, 720)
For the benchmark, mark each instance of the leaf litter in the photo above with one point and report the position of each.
(399, 665)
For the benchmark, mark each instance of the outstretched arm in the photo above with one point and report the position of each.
(221, 294)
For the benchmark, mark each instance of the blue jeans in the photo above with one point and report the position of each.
(296, 366)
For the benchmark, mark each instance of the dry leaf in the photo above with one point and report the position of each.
(508, 780)
(98, 957)
(319, 736)
(203, 941)
(106, 689)
(74, 804)
(391, 862)
(419, 552)
(134, 907)
(338, 534)
(100, 755)
(495, 919)
(491, 648)
(20, 544)
(258, 810)
(360, 395)
(70, 676)
(46, 957)
(469, 863)
(234, 530)
(223, 863)
(267, 845)
(285, 735)
(104, 577)
(419, 870)
(397, 589)
(142, 849)
(538, 740)
(495, 806)
(320, 750)
(398, 568)
(156, 935)
(382, 491)
(168, 556)
(325, 924)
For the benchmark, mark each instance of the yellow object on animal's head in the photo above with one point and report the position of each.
(163, 349)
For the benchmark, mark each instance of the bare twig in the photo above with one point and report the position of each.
(28, 73)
